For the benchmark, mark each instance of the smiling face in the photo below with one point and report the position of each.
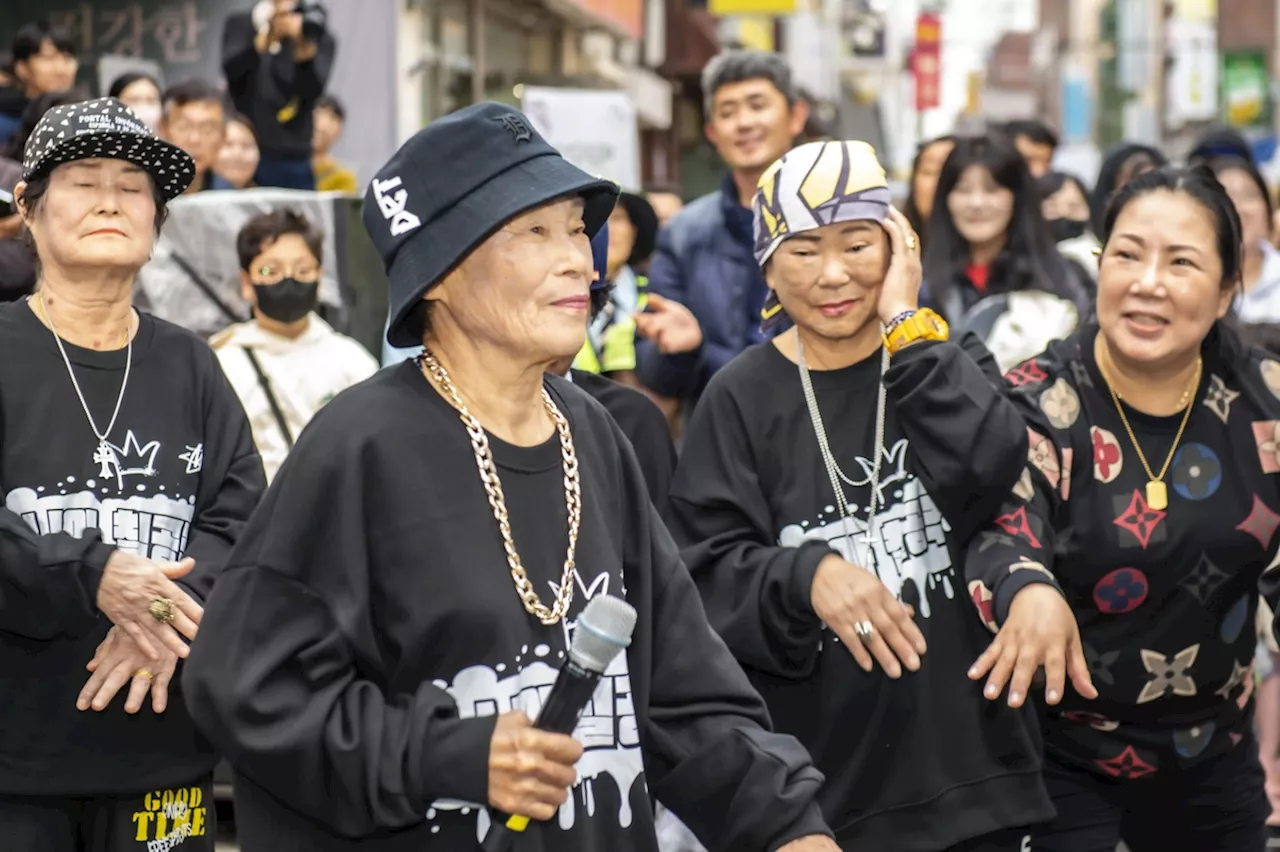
(1160, 285)
(524, 290)
(828, 279)
(980, 207)
(752, 125)
(96, 213)
(238, 158)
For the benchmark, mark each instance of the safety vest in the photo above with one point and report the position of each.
(617, 351)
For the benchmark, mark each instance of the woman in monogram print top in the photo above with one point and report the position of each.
(1148, 514)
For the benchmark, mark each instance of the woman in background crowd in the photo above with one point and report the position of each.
(1149, 516)
(239, 156)
(923, 186)
(124, 450)
(1122, 164)
(990, 265)
(610, 347)
(140, 93)
(1259, 299)
(1066, 210)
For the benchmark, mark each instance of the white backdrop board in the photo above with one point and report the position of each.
(595, 130)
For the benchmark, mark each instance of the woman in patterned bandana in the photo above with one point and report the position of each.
(829, 482)
(1148, 514)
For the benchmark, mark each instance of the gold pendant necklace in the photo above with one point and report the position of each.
(1157, 491)
(436, 373)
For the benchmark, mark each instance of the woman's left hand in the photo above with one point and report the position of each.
(812, 843)
(900, 292)
(119, 661)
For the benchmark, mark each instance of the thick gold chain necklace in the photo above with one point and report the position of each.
(1157, 491)
(436, 372)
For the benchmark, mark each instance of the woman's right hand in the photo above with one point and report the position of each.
(1041, 630)
(844, 596)
(530, 771)
(129, 585)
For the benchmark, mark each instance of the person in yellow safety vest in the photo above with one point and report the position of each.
(610, 347)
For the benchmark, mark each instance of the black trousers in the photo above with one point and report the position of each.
(1217, 806)
(182, 819)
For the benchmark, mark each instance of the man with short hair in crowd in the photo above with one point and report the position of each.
(286, 362)
(278, 64)
(705, 289)
(330, 118)
(43, 62)
(195, 120)
(1037, 144)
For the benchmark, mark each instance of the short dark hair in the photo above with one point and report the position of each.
(1201, 184)
(127, 79)
(192, 91)
(1037, 131)
(265, 228)
(738, 66)
(332, 104)
(30, 38)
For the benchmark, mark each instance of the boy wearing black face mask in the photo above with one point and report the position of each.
(286, 362)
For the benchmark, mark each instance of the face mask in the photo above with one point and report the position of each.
(149, 114)
(288, 301)
(1067, 229)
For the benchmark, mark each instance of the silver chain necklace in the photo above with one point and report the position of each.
(105, 455)
(828, 458)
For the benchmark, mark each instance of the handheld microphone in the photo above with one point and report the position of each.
(603, 631)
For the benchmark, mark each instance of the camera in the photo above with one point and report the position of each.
(315, 19)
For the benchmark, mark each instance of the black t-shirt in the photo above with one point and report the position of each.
(1165, 598)
(180, 480)
(921, 763)
(645, 427)
(354, 657)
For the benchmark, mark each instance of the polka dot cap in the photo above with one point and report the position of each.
(108, 129)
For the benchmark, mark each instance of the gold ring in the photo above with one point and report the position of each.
(912, 242)
(162, 610)
(144, 673)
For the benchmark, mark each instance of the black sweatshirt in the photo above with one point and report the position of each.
(354, 656)
(644, 425)
(922, 763)
(275, 92)
(185, 479)
(1165, 599)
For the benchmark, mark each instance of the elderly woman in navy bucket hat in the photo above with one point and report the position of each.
(402, 601)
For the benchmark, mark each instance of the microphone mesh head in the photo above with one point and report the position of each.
(604, 630)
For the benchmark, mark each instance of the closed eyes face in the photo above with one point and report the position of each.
(96, 212)
(1160, 285)
(828, 279)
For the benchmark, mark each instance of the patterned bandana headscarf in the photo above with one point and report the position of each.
(816, 184)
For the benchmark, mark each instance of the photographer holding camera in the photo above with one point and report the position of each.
(277, 59)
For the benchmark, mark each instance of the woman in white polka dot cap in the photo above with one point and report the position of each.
(127, 471)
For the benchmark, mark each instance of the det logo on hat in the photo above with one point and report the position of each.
(105, 128)
(453, 184)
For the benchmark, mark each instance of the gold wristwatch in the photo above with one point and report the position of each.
(923, 324)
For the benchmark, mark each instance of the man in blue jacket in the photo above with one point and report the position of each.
(704, 260)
